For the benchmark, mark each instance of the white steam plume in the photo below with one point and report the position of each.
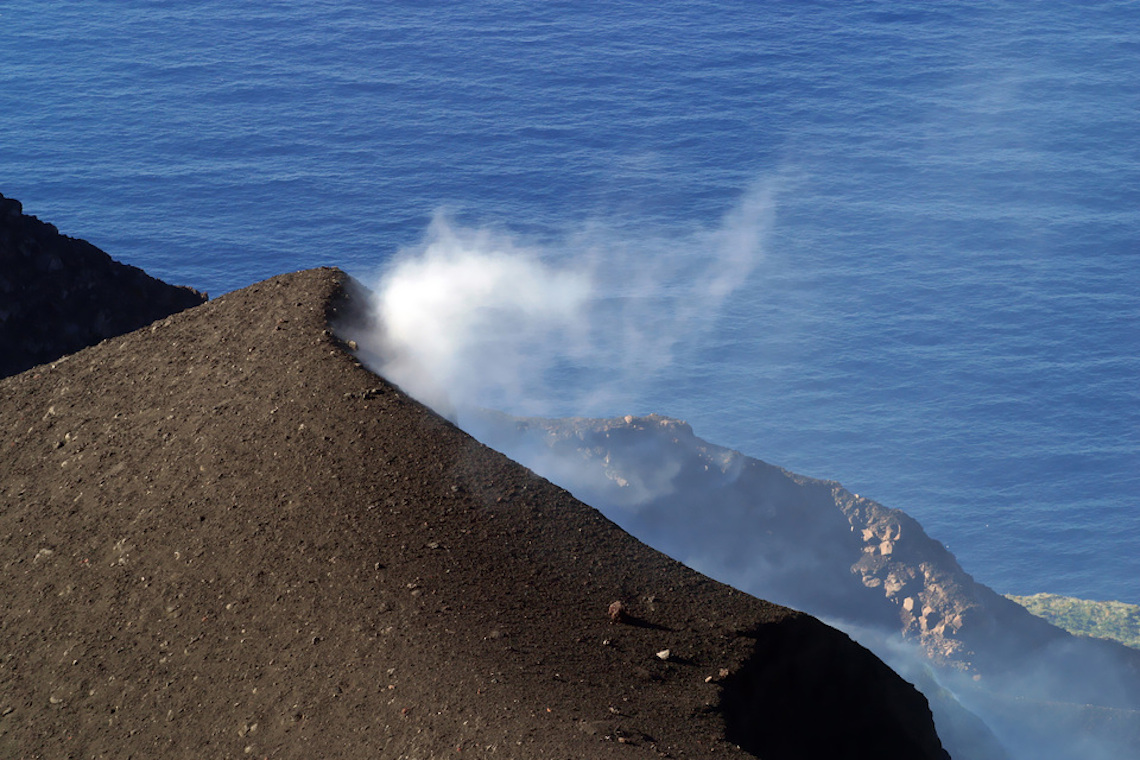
(473, 318)
(469, 313)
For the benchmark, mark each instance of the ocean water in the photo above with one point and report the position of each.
(941, 309)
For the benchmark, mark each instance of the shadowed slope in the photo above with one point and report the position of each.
(222, 537)
(59, 294)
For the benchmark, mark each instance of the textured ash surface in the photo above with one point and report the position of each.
(222, 537)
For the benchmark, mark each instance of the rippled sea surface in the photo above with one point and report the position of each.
(946, 314)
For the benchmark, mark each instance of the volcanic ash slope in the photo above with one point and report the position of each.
(223, 537)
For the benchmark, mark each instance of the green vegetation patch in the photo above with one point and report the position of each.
(1084, 617)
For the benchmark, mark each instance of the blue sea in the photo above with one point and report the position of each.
(944, 310)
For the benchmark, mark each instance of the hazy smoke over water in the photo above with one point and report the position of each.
(475, 318)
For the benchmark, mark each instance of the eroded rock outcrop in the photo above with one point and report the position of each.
(59, 294)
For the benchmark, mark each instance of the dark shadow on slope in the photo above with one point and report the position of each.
(762, 720)
(59, 294)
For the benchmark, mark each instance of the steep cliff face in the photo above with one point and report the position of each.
(224, 537)
(59, 294)
(809, 543)
(815, 546)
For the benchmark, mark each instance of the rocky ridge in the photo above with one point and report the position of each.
(809, 542)
(59, 294)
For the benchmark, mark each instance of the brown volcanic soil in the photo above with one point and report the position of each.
(223, 537)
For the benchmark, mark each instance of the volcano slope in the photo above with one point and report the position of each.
(223, 537)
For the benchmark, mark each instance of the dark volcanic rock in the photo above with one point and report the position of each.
(59, 294)
(223, 537)
(795, 664)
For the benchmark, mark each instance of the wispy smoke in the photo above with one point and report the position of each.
(475, 318)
